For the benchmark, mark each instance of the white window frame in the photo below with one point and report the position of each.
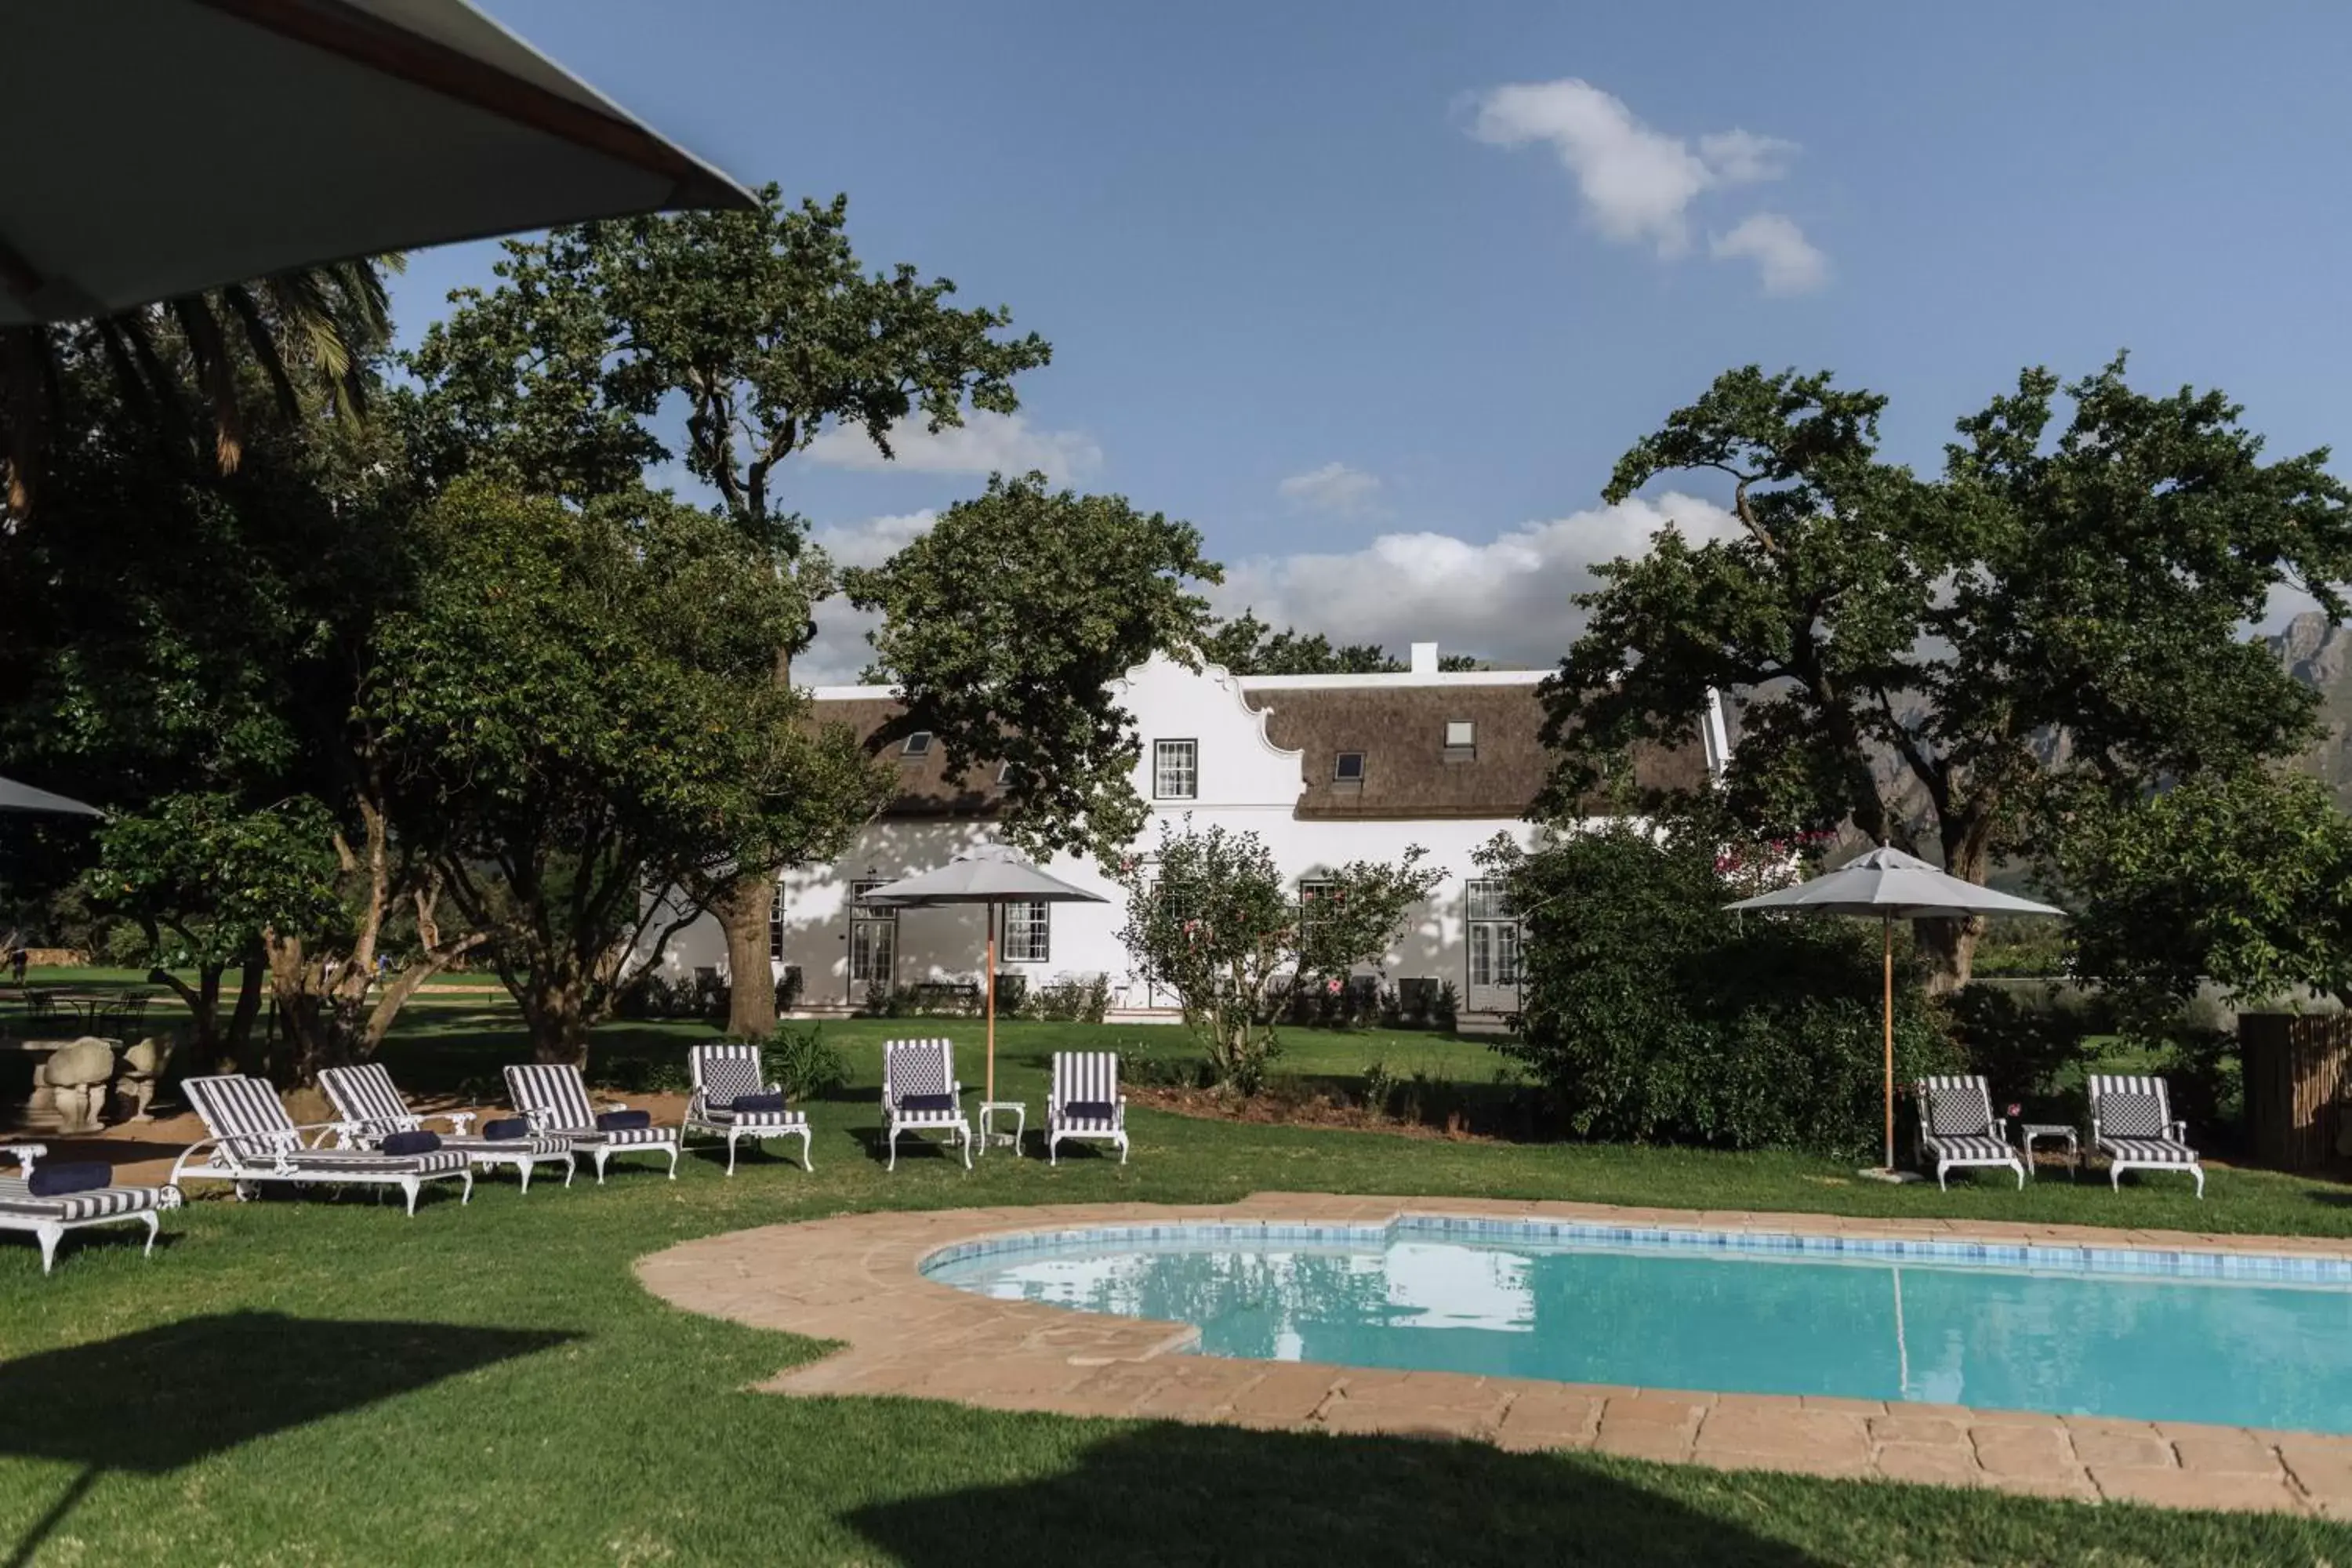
(1166, 770)
(1492, 933)
(776, 913)
(1028, 934)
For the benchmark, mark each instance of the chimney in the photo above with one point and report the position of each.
(1424, 658)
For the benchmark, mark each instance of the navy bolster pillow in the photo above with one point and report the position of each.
(1089, 1110)
(507, 1127)
(927, 1102)
(416, 1143)
(623, 1120)
(756, 1102)
(68, 1176)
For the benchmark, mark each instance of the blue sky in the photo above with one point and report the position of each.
(1375, 293)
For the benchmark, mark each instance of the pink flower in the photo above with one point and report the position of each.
(1331, 989)
(2016, 1110)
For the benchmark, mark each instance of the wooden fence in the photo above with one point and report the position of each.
(2296, 1066)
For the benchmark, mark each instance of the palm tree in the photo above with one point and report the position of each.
(323, 320)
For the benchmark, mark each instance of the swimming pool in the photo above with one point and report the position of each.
(2139, 1336)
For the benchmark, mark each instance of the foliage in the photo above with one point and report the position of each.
(583, 708)
(1004, 627)
(1069, 998)
(2027, 1045)
(1356, 914)
(1247, 646)
(2245, 880)
(1214, 923)
(799, 1060)
(1652, 1013)
(1954, 663)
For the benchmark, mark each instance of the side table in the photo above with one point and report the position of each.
(990, 1109)
(2029, 1130)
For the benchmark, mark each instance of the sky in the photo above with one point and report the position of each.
(1375, 293)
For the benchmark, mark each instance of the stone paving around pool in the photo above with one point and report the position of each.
(856, 1279)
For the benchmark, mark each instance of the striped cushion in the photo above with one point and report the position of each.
(1089, 1079)
(442, 1162)
(244, 1114)
(917, 1067)
(726, 1118)
(555, 1091)
(1957, 1107)
(2154, 1151)
(725, 1072)
(99, 1203)
(2131, 1106)
(536, 1143)
(627, 1137)
(365, 1095)
(1964, 1151)
(927, 1118)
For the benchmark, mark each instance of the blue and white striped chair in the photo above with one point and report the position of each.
(1085, 1101)
(373, 1109)
(2132, 1125)
(555, 1097)
(253, 1140)
(48, 1218)
(1958, 1128)
(724, 1074)
(921, 1094)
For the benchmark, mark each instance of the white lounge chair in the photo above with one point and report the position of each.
(1958, 1128)
(921, 1094)
(48, 1218)
(555, 1097)
(253, 1140)
(1085, 1101)
(373, 1109)
(2132, 1125)
(724, 1074)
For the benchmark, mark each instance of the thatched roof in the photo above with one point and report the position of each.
(923, 788)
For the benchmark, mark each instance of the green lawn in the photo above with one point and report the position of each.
(314, 1381)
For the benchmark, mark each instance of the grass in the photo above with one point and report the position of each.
(315, 1382)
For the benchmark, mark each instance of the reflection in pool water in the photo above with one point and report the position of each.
(2100, 1345)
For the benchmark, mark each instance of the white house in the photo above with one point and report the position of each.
(1325, 768)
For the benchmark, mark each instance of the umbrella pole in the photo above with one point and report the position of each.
(991, 1004)
(1886, 935)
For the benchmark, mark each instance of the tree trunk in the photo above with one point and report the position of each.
(743, 908)
(1946, 944)
(239, 1039)
(557, 1017)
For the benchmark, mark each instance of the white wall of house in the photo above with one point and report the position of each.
(1244, 782)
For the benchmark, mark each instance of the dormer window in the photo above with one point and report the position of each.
(919, 745)
(1348, 768)
(1460, 739)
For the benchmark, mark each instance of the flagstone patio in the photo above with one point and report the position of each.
(856, 1279)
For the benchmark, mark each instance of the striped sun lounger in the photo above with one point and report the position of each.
(921, 1094)
(555, 1097)
(1085, 1101)
(1958, 1128)
(48, 1218)
(722, 1075)
(253, 1140)
(373, 1109)
(2132, 1125)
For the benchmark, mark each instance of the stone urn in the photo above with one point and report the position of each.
(142, 1069)
(76, 1076)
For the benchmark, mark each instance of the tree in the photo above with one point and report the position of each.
(1247, 646)
(586, 736)
(1004, 628)
(768, 330)
(2243, 880)
(1947, 663)
(1213, 919)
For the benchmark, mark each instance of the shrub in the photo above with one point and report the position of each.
(2023, 1040)
(802, 1062)
(1651, 1014)
(1071, 999)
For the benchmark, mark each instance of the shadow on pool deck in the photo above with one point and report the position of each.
(1172, 1493)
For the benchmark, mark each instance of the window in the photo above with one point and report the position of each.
(1349, 768)
(1494, 933)
(1490, 899)
(776, 925)
(1175, 769)
(1317, 898)
(1028, 933)
(873, 936)
(860, 910)
(919, 745)
(1461, 735)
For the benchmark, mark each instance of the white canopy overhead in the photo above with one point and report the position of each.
(15, 797)
(161, 147)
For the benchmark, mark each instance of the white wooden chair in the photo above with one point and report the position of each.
(2132, 1124)
(373, 1109)
(921, 1094)
(725, 1075)
(49, 1217)
(1958, 1128)
(253, 1140)
(555, 1097)
(1085, 1101)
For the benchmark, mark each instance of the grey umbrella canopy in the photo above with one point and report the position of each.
(990, 873)
(15, 797)
(1892, 886)
(374, 125)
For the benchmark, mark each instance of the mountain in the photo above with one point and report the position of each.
(2320, 655)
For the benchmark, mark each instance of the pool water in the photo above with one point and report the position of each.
(2109, 1342)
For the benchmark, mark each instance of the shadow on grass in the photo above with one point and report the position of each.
(1180, 1493)
(168, 1396)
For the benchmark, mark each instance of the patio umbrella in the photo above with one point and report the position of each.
(15, 797)
(382, 125)
(1892, 886)
(993, 875)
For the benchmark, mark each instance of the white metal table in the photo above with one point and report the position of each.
(990, 1109)
(2029, 1130)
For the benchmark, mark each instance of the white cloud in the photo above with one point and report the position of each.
(1507, 599)
(1786, 261)
(983, 444)
(1334, 487)
(1639, 183)
(840, 649)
